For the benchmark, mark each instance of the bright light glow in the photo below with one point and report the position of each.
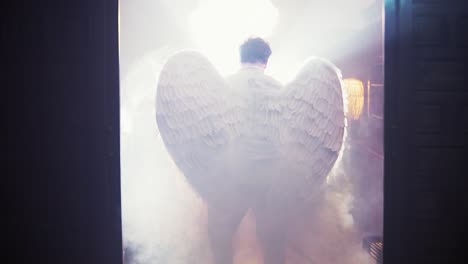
(354, 90)
(218, 27)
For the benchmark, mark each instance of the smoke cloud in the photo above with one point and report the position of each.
(163, 219)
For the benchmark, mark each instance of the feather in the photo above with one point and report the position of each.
(213, 127)
(314, 105)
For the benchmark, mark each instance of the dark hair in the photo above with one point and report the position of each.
(255, 50)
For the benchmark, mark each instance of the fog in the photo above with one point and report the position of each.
(163, 219)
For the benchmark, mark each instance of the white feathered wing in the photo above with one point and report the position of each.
(201, 122)
(312, 128)
(196, 118)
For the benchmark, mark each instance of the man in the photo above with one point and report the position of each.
(247, 144)
(251, 187)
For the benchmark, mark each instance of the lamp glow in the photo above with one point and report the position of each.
(354, 90)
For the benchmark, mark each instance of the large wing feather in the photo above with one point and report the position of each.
(195, 116)
(313, 124)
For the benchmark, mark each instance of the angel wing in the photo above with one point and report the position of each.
(313, 125)
(195, 117)
(286, 140)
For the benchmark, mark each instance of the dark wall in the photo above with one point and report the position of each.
(60, 63)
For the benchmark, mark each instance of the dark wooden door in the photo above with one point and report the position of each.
(426, 126)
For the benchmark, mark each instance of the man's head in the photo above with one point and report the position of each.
(255, 51)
